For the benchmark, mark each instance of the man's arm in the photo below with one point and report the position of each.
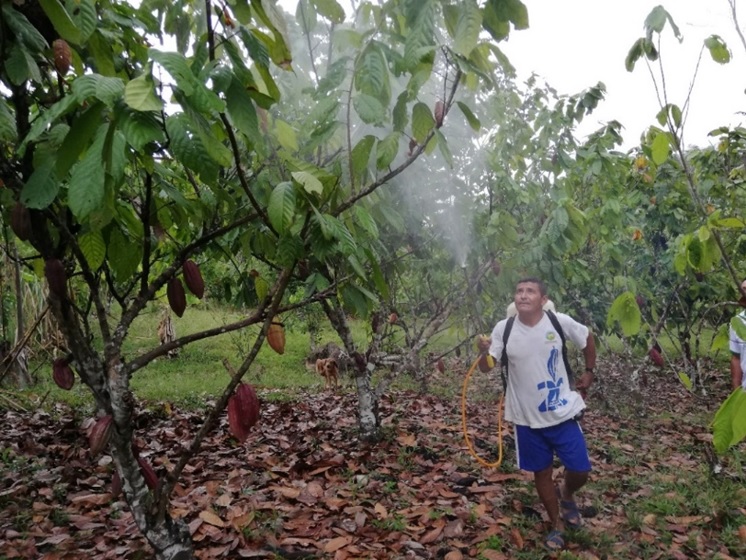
(736, 375)
(589, 353)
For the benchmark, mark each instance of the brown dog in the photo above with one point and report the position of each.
(330, 372)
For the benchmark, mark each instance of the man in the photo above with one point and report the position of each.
(540, 403)
(738, 350)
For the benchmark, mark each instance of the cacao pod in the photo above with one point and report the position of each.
(412, 146)
(98, 437)
(276, 337)
(393, 318)
(20, 222)
(656, 357)
(176, 296)
(640, 301)
(148, 473)
(62, 55)
(62, 374)
(439, 113)
(441, 365)
(243, 411)
(56, 276)
(193, 279)
(116, 484)
(360, 361)
(496, 268)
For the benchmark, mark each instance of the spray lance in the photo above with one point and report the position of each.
(487, 363)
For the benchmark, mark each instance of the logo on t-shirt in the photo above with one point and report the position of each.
(553, 400)
(551, 336)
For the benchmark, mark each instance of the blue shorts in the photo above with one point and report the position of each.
(535, 447)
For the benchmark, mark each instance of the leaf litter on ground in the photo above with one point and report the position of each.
(303, 486)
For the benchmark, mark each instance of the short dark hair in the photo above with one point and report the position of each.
(534, 280)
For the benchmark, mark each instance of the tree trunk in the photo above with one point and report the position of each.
(21, 365)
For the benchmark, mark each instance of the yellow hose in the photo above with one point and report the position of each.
(472, 452)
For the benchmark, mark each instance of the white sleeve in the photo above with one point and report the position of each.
(496, 348)
(575, 332)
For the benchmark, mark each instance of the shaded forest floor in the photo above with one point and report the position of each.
(302, 486)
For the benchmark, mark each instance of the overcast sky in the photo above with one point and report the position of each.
(574, 44)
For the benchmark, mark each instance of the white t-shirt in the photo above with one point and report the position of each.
(738, 346)
(539, 393)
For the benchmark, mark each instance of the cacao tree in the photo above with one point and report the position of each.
(127, 166)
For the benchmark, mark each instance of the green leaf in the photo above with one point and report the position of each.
(242, 112)
(286, 135)
(7, 123)
(422, 122)
(360, 155)
(684, 378)
(93, 247)
(401, 116)
(387, 150)
(103, 54)
(729, 424)
(721, 340)
(444, 149)
(124, 255)
(331, 10)
(61, 20)
(718, 49)
(103, 88)
(281, 208)
(369, 109)
(85, 19)
(42, 187)
(76, 140)
(140, 94)
(738, 324)
(261, 286)
(656, 21)
(372, 75)
(420, 41)
(140, 128)
(22, 28)
(356, 266)
(309, 182)
(21, 66)
(661, 148)
(626, 312)
(86, 186)
(468, 26)
(305, 15)
(470, 117)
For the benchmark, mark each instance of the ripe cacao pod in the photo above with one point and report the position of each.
(441, 365)
(243, 411)
(176, 296)
(98, 437)
(62, 55)
(116, 484)
(193, 279)
(393, 318)
(276, 337)
(56, 276)
(656, 357)
(640, 301)
(148, 473)
(20, 222)
(63, 374)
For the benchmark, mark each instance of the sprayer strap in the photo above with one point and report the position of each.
(557, 327)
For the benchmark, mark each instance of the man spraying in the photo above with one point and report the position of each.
(540, 401)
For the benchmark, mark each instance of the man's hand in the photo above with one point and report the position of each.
(584, 383)
(483, 343)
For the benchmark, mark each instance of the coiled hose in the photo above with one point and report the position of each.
(469, 446)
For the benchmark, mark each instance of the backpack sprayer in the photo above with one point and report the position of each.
(491, 363)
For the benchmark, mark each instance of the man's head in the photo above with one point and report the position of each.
(530, 295)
